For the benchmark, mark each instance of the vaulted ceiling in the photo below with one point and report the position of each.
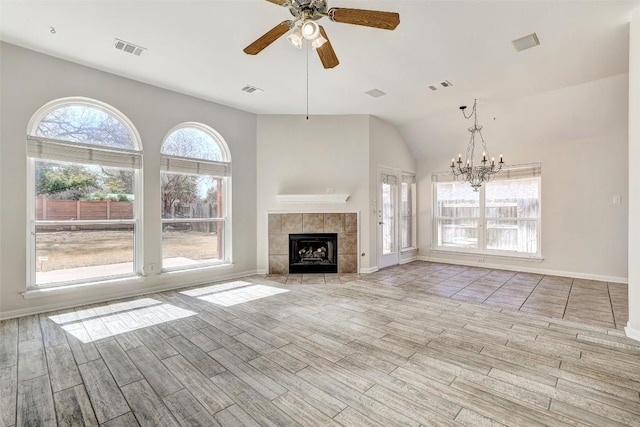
(195, 47)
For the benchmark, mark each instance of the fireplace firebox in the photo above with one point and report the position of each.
(313, 253)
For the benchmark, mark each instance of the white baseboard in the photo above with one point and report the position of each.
(575, 275)
(369, 270)
(94, 300)
(262, 271)
(631, 332)
(408, 260)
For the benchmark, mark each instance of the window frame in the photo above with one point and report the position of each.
(224, 166)
(408, 179)
(483, 219)
(33, 223)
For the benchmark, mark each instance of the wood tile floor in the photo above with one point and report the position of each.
(587, 301)
(386, 349)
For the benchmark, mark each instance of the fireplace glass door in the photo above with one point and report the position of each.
(313, 253)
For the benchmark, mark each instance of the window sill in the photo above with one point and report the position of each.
(313, 198)
(198, 269)
(74, 287)
(529, 258)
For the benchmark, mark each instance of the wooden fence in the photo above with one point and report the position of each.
(56, 210)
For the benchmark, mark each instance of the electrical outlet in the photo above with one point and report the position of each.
(331, 190)
(152, 268)
(617, 199)
(480, 259)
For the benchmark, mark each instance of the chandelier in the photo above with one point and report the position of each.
(475, 175)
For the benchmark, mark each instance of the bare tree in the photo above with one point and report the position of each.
(177, 188)
(89, 125)
(192, 143)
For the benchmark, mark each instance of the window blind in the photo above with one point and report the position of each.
(388, 179)
(530, 170)
(76, 152)
(194, 166)
(408, 179)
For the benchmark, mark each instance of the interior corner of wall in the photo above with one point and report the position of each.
(632, 332)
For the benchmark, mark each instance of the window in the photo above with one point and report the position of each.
(195, 185)
(407, 202)
(502, 218)
(84, 166)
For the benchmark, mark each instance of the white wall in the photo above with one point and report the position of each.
(388, 149)
(299, 156)
(29, 80)
(583, 159)
(633, 327)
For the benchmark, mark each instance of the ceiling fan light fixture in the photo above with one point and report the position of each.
(310, 30)
(318, 42)
(295, 38)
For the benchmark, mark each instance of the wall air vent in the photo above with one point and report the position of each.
(376, 93)
(526, 42)
(128, 47)
(251, 89)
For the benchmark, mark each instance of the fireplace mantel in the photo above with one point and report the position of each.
(313, 198)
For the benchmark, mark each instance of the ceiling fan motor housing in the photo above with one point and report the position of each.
(308, 9)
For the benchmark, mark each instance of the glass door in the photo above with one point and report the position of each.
(388, 247)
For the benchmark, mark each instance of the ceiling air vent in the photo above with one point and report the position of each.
(251, 89)
(376, 93)
(128, 47)
(442, 84)
(526, 42)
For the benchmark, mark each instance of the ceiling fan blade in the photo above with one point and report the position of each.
(368, 18)
(326, 53)
(280, 2)
(267, 38)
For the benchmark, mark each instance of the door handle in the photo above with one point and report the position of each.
(380, 223)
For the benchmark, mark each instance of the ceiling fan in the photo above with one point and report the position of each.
(306, 13)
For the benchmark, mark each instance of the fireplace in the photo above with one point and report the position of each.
(313, 253)
(344, 224)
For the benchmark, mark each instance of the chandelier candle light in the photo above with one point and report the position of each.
(475, 175)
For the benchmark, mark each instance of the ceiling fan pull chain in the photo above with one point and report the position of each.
(307, 80)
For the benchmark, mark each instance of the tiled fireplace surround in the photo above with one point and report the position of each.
(283, 224)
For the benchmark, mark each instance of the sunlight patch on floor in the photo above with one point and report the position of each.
(215, 288)
(124, 317)
(102, 310)
(241, 295)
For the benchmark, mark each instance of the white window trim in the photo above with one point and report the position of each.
(493, 254)
(411, 178)
(482, 219)
(138, 250)
(193, 166)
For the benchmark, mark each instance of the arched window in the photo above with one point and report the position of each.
(84, 170)
(195, 185)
